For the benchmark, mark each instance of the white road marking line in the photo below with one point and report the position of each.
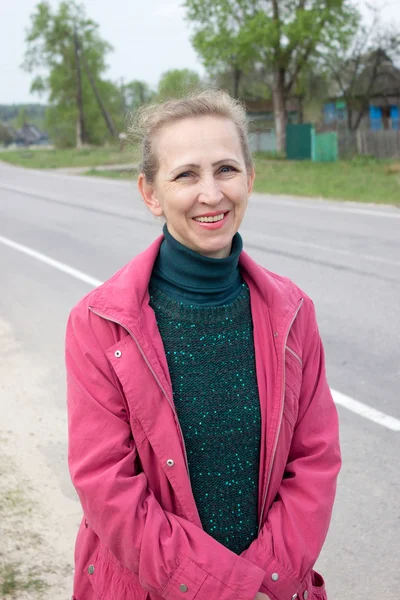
(326, 204)
(51, 262)
(354, 406)
(366, 411)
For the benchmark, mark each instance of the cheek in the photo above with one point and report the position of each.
(237, 191)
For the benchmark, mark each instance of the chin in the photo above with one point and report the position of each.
(215, 250)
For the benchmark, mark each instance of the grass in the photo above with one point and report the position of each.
(15, 579)
(52, 159)
(109, 174)
(361, 179)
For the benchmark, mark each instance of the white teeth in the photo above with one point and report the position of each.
(210, 219)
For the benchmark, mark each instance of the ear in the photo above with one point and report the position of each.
(149, 195)
(250, 180)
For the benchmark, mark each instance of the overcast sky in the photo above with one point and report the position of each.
(149, 37)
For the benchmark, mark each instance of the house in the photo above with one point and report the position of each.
(262, 111)
(29, 135)
(382, 93)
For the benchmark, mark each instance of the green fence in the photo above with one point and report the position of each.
(324, 147)
(303, 143)
(299, 142)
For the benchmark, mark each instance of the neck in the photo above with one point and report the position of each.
(192, 278)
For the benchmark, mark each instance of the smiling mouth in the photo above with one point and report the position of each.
(213, 219)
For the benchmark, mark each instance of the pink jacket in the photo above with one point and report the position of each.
(141, 535)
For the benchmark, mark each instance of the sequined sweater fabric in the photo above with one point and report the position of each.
(210, 355)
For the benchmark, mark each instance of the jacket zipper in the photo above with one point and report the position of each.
(154, 375)
(278, 430)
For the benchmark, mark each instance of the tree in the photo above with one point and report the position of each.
(366, 69)
(5, 134)
(176, 83)
(52, 45)
(135, 94)
(22, 117)
(280, 35)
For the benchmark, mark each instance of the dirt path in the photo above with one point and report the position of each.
(38, 518)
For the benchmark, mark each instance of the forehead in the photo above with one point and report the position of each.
(196, 140)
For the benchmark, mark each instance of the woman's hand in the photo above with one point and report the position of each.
(261, 596)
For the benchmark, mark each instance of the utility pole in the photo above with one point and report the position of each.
(80, 123)
(105, 113)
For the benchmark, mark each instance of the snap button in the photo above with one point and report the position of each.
(170, 462)
(183, 587)
(91, 569)
(305, 595)
(294, 596)
(274, 576)
(118, 354)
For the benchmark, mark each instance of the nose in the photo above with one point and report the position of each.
(210, 191)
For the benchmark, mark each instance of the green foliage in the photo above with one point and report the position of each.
(22, 117)
(50, 47)
(135, 94)
(5, 135)
(34, 113)
(281, 35)
(176, 83)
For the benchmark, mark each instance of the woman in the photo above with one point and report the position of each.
(203, 439)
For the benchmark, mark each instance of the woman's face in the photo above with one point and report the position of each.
(202, 186)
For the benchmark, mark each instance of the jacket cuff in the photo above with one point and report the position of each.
(280, 584)
(190, 580)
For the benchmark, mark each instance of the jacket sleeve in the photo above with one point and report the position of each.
(164, 550)
(296, 526)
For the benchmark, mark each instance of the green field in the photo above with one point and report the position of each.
(361, 179)
(53, 159)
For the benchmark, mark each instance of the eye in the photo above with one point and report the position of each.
(184, 175)
(228, 169)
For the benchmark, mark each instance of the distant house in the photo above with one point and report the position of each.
(263, 109)
(28, 135)
(384, 99)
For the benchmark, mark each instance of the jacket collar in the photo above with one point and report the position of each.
(125, 296)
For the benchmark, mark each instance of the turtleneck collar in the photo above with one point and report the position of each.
(191, 278)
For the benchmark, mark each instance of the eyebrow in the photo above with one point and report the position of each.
(195, 166)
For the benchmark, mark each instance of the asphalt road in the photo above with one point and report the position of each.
(346, 257)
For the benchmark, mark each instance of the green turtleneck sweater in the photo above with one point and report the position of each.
(202, 307)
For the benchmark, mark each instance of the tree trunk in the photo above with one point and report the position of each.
(280, 113)
(78, 134)
(80, 125)
(301, 109)
(237, 74)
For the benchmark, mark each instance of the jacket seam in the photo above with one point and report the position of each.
(294, 354)
(100, 346)
(208, 574)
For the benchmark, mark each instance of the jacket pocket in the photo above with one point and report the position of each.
(111, 580)
(317, 587)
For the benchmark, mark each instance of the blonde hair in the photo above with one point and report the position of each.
(210, 103)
